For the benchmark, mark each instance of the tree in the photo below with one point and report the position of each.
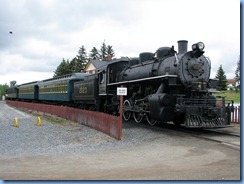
(81, 59)
(103, 52)
(221, 83)
(238, 74)
(74, 65)
(94, 54)
(106, 52)
(78, 63)
(63, 68)
(3, 89)
(110, 53)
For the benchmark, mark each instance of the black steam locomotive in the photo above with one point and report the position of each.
(165, 86)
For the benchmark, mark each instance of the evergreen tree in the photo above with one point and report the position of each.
(78, 63)
(110, 53)
(238, 74)
(103, 52)
(74, 65)
(221, 83)
(106, 52)
(94, 54)
(63, 68)
(81, 59)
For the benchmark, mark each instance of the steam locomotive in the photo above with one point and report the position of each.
(164, 86)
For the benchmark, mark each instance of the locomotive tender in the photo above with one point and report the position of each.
(165, 86)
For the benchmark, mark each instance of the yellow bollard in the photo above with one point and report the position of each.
(38, 123)
(16, 124)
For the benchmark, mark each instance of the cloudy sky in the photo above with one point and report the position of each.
(45, 31)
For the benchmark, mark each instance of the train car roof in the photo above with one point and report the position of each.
(123, 59)
(28, 84)
(66, 77)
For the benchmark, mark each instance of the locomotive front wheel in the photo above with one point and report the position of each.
(138, 117)
(126, 112)
(150, 120)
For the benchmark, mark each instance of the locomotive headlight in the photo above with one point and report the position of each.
(198, 46)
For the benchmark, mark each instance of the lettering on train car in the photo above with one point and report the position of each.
(83, 90)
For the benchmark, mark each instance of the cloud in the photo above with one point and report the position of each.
(44, 32)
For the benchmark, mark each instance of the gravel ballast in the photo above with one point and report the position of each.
(58, 138)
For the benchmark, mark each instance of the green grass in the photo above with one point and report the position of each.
(48, 118)
(54, 120)
(230, 95)
(51, 119)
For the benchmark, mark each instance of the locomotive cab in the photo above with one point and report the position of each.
(107, 82)
(108, 74)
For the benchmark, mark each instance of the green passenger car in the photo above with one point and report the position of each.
(59, 88)
(28, 91)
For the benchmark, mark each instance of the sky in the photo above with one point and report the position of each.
(46, 31)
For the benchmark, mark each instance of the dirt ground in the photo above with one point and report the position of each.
(155, 161)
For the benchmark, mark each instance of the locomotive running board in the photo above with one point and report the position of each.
(143, 79)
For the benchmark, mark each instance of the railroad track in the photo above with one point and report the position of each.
(221, 136)
(223, 132)
(230, 139)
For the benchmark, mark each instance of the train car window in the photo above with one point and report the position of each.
(110, 75)
(102, 77)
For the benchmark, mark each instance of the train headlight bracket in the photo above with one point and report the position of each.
(198, 46)
(197, 49)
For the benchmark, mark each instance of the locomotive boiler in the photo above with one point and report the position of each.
(169, 86)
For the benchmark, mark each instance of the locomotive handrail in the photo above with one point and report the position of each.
(143, 79)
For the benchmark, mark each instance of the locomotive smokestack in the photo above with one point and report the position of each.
(182, 46)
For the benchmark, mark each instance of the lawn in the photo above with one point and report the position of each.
(230, 95)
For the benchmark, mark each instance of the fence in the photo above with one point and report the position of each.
(100, 121)
(236, 115)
